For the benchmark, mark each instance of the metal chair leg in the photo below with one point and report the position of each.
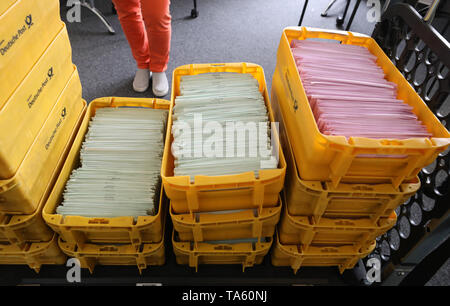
(341, 18)
(385, 6)
(358, 2)
(194, 11)
(303, 13)
(91, 6)
(325, 13)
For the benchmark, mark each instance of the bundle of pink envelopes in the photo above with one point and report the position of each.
(349, 95)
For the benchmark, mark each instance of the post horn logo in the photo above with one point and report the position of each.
(50, 73)
(29, 21)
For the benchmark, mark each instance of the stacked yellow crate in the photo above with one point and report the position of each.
(41, 108)
(121, 241)
(226, 219)
(338, 197)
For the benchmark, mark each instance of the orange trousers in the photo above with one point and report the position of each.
(147, 26)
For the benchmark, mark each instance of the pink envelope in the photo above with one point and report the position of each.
(349, 94)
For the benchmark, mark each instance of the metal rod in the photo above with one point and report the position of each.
(325, 13)
(91, 6)
(431, 11)
(340, 20)
(385, 6)
(358, 2)
(303, 13)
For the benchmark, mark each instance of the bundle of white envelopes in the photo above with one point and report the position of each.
(120, 165)
(221, 126)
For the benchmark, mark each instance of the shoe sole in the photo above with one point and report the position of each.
(160, 94)
(140, 90)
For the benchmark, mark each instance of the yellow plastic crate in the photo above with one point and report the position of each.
(321, 199)
(344, 257)
(81, 230)
(28, 107)
(216, 193)
(91, 255)
(334, 158)
(34, 254)
(4, 5)
(27, 27)
(301, 230)
(245, 254)
(22, 194)
(22, 229)
(227, 225)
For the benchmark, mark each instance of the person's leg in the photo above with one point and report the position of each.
(157, 18)
(130, 17)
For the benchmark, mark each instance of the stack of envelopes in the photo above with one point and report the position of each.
(120, 165)
(230, 127)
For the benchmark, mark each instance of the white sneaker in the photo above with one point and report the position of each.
(160, 84)
(141, 80)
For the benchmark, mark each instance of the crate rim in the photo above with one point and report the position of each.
(322, 251)
(57, 220)
(238, 217)
(212, 249)
(241, 178)
(365, 142)
(306, 223)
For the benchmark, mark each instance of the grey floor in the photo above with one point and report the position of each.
(225, 31)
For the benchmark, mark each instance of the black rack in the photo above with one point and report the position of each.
(422, 232)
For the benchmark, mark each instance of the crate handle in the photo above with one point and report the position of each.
(329, 250)
(340, 165)
(386, 143)
(98, 221)
(131, 102)
(223, 248)
(109, 249)
(344, 223)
